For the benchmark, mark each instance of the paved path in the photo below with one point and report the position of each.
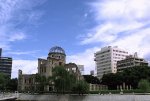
(7, 96)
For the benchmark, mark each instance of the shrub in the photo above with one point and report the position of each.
(144, 85)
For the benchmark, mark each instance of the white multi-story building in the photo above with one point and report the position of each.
(106, 60)
(131, 61)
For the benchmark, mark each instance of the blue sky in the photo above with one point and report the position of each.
(29, 28)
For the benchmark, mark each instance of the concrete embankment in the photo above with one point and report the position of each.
(111, 97)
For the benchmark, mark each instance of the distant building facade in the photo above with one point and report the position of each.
(5, 64)
(73, 69)
(97, 87)
(26, 82)
(131, 61)
(106, 59)
(94, 83)
(81, 69)
(92, 72)
(148, 63)
(56, 57)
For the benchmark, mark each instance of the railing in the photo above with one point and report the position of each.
(6, 96)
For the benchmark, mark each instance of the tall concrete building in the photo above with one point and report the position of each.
(5, 64)
(106, 59)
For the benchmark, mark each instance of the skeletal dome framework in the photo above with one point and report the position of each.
(57, 49)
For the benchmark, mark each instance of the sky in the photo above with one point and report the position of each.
(29, 28)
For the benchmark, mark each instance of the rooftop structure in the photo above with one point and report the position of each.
(57, 49)
(131, 61)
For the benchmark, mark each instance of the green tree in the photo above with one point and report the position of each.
(4, 79)
(40, 81)
(81, 87)
(129, 76)
(12, 84)
(144, 85)
(91, 79)
(63, 80)
(50, 83)
(111, 80)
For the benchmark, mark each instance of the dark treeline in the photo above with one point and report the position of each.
(7, 84)
(91, 79)
(129, 76)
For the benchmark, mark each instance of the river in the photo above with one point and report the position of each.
(91, 97)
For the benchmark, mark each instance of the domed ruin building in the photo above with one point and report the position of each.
(56, 57)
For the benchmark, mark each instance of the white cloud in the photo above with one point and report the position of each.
(123, 23)
(122, 10)
(115, 17)
(5, 26)
(22, 52)
(12, 14)
(7, 8)
(7, 35)
(136, 42)
(109, 32)
(86, 58)
(27, 66)
(17, 36)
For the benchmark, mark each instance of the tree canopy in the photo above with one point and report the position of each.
(81, 87)
(91, 79)
(130, 76)
(63, 80)
(7, 84)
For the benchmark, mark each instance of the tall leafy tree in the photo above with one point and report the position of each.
(63, 80)
(4, 79)
(81, 87)
(40, 81)
(12, 84)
